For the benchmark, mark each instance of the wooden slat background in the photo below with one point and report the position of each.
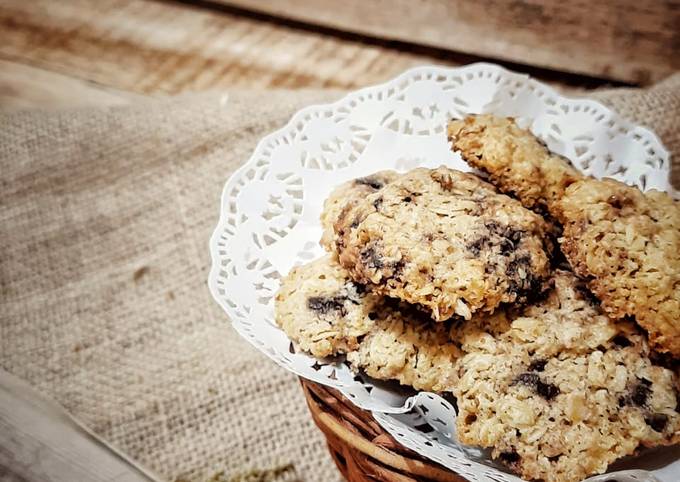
(114, 47)
(634, 41)
(80, 52)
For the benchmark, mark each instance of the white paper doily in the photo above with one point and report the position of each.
(270, 207)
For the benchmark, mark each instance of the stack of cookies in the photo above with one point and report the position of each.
(546, 302)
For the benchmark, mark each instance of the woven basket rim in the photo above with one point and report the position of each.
(360, 447)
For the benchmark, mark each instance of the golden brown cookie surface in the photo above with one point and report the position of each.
(406, 346)
(565, 391)
(348, 194)
(517, 162)
(627, 243)
(326, 313)
(322, 310)
(446, 241)
(624, 242)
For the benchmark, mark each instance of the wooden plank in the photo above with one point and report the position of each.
(627, 40)
(148, 47)
(40, 442)
(24, 86)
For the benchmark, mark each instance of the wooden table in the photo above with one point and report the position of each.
(79, 52)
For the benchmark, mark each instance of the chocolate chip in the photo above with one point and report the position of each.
(504, 231)
(475, 247)
(587, 295)
(638, 394)
(547, 390)
(360, 289)
(373, 315)
(371, 258)
(397, 268)
(507, 246)
(641, 392)
(378, 203)
(370, 181)
(657, 421)
(509, 458)
(537, 365)
(324, 305)
(525, 287)
(554, 458)
(505, 238)
(532, 380)
(518, 262)
(353, 293)
(407, 199)
(621, 341)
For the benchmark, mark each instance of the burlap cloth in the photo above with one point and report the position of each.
(105, 219)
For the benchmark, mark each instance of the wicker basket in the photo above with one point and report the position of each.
(361, 448)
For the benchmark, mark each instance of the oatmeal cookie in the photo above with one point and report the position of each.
(517, 162)
(348, 194)
(406, 346)
(326, 313)
(564, 391)
(627, 244)
(445, 240)
(322, 310)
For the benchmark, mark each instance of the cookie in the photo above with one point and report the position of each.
(446, 241)
(348, 194)
(517, 162)
(322, 310)
(326, 313)
(406, 346)
(565, 391)
(627, 244)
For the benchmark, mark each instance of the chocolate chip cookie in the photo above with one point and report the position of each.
(407, 346)
(517, 162)
(627, 244)
(346, 195)
(564, 391)
(446, 241)
(322, 310)
(326, 313)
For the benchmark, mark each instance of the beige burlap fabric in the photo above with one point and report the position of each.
(105, 219)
